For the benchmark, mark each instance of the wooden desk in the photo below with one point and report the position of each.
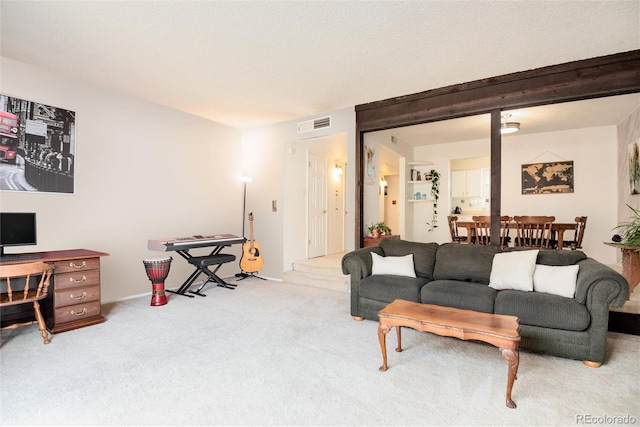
(74, 293)
(630, 264)
(375, 241)
(560, 227)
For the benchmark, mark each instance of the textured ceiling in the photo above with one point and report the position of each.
(248, 63)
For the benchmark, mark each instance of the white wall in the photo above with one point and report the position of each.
(276, 156)
(594, 153)
(143, 171)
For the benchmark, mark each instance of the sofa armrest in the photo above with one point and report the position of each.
(593, 273)
(358, 263)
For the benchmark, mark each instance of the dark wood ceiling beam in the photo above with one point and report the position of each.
(605, 76)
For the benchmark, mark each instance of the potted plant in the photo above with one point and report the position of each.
(435, 193)
(383, 229)
(373, 229)
(378, 229)
(629, 231)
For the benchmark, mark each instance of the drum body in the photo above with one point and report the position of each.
(157, 270)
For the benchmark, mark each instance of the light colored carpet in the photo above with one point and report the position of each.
(273, 353)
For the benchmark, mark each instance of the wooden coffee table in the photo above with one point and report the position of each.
(495, 329)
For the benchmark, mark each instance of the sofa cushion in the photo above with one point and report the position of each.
(424, 254)
(553, 256)
(543, 310)
(513, 270)
(556, 279)
(387, 288)
(471, 263)
(457, 294)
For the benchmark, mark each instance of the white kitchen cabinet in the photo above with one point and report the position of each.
(467, 183)
(486, 183)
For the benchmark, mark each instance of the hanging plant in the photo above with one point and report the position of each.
(435, 193)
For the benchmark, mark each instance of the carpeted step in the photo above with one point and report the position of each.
(319, 280)
(320, 266)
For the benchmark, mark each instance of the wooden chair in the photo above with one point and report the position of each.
(576, 243)
(453, 230)
(534, 231)
(36, 276)
(482, 229)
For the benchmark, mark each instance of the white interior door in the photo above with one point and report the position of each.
(336, 239)
(317, 206)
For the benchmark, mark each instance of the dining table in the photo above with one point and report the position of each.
(558, 227)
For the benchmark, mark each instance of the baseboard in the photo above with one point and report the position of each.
(626, 323)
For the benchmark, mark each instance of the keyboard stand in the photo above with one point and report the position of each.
(202, 264)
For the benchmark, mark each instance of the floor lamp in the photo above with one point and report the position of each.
(244, 180)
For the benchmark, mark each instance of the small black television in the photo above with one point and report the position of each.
(17, 229)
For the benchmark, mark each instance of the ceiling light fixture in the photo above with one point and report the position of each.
(507, 127)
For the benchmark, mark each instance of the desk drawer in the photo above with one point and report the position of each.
(76, 296)
(76, 265)
(76, 279)
(77, 312)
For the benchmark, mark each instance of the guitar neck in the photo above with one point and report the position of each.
(251, 232)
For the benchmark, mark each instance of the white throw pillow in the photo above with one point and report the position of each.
(513, 270)
(396, 265)
(556, 280)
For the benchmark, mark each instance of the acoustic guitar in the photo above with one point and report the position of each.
(251, 260)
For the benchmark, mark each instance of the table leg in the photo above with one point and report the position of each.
(398, 333)
(560, 239)
(383, 330)
(513, 357)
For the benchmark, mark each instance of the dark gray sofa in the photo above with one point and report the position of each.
(457, 275)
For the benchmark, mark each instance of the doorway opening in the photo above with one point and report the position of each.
(315, 186)
(326, 222)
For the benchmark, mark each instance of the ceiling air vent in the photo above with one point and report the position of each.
(315, 124)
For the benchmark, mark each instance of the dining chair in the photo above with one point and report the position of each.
(482, 228)
(26, 284)
(453, 230)
(578, 234)
(534, 231)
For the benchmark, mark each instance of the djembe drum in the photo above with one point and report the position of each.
(157, 271)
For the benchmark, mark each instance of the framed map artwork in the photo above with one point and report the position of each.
(547, 178)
